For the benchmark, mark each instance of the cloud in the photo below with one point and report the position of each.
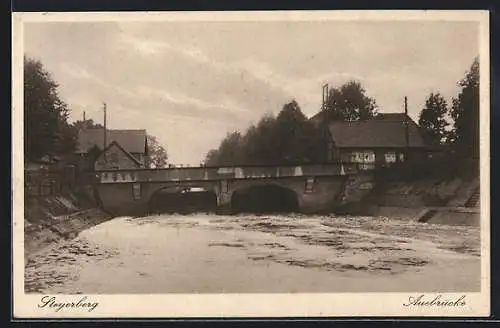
(146, 47)
(76, 71)
(304, 89)
(190, 83)
(253, 69)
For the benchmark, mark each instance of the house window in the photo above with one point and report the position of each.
(369, 157)
(390, 157)
(355, 157)
(366, 158)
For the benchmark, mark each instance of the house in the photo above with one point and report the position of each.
(386, 139)
(116, 157)
(129, 147)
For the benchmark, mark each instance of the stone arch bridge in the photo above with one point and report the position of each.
(317, 187)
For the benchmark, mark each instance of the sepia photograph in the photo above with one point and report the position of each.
(226, 155)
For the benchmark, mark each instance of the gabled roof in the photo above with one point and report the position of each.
(315, 116)
(116, 144)
(133, 141)
(385, 130)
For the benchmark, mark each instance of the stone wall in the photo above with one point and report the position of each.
(425, 192)
(54, 218)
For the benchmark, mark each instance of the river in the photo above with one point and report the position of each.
(205, 253)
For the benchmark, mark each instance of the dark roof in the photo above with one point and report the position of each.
(133, 141)
(114, 143)
(392, 116)
(316, 116)
(385, 130)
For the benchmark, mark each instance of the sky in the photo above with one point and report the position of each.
(189, 83)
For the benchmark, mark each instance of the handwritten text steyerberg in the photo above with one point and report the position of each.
(52, 302)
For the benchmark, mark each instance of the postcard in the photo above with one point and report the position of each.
(251, 164)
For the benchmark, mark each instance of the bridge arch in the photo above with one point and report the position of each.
(265, 198)
(182, 199)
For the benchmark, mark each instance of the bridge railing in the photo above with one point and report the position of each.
(247, 166)
(222, 173)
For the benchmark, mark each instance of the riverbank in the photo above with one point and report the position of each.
(51, 219)
(450, 201)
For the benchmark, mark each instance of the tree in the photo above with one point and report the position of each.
(296, 137)
(157, 153)
(228, 153)
(86, 124)
(289, 123)
(211, 158)
(350, 103)
(288, 138)
(465, 113)
(253, 147)
(432, 119)
(259, 143)
(313, 143)
(46, 127)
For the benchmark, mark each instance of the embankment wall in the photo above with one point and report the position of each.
(411, 200)
(49, 219)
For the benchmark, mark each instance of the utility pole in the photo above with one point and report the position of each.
(105, 134)
(407, 135)
(325, 96)
(84, 116)
(325, 121)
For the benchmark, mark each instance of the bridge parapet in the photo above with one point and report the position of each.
(224, 173)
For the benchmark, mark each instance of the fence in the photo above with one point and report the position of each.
(49, 181)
